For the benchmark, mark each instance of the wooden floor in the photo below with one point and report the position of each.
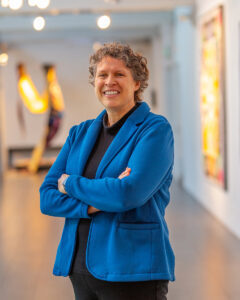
(207, 255)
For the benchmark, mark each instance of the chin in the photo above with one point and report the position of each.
(110, 104)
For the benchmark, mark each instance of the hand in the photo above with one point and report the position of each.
(125, 173)
(60, 185)
(91, 209)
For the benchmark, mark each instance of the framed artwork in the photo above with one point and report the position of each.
(212, 95)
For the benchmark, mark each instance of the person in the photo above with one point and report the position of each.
(111, 183)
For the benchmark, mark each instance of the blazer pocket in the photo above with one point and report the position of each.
(139, 226)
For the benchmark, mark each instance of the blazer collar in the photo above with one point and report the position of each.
(122, 137)
(136, 117)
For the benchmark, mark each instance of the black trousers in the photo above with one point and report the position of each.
(87, 287)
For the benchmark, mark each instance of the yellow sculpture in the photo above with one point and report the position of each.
(52, 98)
(34, 102)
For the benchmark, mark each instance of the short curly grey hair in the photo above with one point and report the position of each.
(133, 60)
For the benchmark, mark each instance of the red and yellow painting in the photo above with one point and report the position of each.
(212, 90)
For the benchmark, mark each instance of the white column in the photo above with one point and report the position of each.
(3, 153)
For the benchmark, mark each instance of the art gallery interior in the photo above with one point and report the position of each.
(177, 38)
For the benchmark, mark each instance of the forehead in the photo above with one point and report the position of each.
(110, 63)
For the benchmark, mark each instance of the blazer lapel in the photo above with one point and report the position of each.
(123, 136)
(89, 141)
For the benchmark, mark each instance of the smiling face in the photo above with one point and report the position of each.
(114, 85)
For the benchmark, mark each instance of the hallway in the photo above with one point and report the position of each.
(207, 255)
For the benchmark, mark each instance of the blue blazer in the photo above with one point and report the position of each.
(128, 240)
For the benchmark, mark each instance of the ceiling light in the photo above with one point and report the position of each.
(111, 1)
(15, 4)
(4, 3)
(43, 3)
(39, 23)
(104, 22)
(3, 59)
(32, 3)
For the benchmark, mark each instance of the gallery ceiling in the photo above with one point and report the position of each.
(100, 6)
(132, 18)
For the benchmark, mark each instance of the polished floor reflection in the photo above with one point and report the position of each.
(207, 255)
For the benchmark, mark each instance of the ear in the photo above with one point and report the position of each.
(137, 85)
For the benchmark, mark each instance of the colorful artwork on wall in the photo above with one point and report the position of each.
(212, 93)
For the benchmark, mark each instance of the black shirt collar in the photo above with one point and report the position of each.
(116, 126)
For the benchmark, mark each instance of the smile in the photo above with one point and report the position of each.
(111, 92)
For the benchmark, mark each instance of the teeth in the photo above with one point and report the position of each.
(111, 92)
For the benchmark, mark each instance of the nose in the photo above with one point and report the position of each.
(110, 80)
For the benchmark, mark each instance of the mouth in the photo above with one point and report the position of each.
(111, 92)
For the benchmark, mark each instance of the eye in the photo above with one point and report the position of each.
(102, 75)
(120, 74)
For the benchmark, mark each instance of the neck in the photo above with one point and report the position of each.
(114, 116)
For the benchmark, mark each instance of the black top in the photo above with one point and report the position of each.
(103, 141)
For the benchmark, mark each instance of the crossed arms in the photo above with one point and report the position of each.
(151, 164)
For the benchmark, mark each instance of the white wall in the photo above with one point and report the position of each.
(184, 108)
(225, 205)
(2, 123)
(71, 58)
(174, 66)
(71, 61)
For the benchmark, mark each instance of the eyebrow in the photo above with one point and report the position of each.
(116, 71)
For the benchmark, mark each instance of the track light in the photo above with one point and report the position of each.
(104, 22)
(39, 23)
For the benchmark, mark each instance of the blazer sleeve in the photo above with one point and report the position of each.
(151, 163)
(53, 202)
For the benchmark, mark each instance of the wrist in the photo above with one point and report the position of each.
(64, 184)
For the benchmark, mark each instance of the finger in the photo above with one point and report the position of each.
(123, 175)
(126, 172)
